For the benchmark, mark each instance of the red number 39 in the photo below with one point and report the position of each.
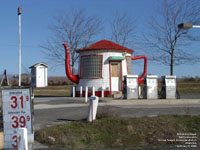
(16, 121)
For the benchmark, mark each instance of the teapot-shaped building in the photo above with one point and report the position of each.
(103, 65)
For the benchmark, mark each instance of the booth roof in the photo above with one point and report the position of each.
(105, 45)
(39, 64)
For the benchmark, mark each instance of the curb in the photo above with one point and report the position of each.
(153, 101)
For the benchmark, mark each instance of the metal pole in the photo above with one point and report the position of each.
(19, 14)
(196, 26)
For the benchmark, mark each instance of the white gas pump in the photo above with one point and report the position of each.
(169, 87)
(131, 86)
(151, 87)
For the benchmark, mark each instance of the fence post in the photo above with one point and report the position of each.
(102, 92)
(86, 94)
(93, 91)
(22, 139)
(74, 91)
(92, 109)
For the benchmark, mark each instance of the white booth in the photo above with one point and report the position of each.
(39, 76)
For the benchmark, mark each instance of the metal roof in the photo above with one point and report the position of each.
(39, 64)
(105, 45)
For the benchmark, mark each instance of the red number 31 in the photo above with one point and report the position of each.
(14, 100)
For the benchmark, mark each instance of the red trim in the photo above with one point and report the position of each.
(106, 45)
(101, 65)
(72, 77)
(110, 61)
(82, 67)
(121, 77)
(97, 93)
(141, 78)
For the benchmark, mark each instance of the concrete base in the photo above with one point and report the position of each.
(117, 95)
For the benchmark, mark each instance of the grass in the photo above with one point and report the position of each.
(121, 133)
(188, 87)
(63, 90)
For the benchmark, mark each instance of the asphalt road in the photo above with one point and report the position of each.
(56, 110)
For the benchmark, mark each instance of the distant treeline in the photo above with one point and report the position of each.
(59, 81)
(196, 79)
(26, 80)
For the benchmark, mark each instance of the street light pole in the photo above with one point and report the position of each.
(19, 14)
(196, 26)
(187, 26)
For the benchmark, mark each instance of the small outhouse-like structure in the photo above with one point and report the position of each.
(39, 75)
(103, 65)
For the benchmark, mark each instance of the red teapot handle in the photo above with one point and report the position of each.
(141, 78)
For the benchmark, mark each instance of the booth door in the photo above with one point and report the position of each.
(41, 76)
(115, 76)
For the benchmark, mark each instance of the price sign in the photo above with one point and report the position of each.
(16, 114)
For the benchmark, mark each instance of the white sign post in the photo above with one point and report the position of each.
(17, 113)
(92, 111)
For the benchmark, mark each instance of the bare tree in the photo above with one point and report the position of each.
(76, 29)
(123, 28)
(165, 42)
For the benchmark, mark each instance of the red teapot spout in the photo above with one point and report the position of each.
(141, 78)
(73, 78)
